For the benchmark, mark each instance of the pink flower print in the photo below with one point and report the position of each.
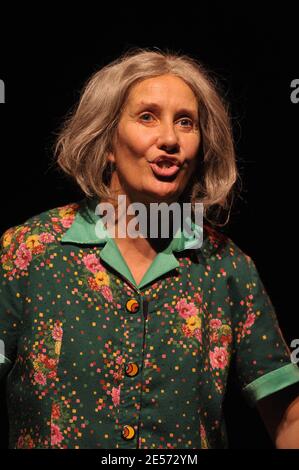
(36, 250)
(42, 358)
(107, 293)
(198, 298)
(25, 442)
(66, 222)
(21, 235)
(24, 257)
(56, 435)
(203, 437)
(57, 228)
(56, 411)
(50, 363)
(219, 358)
(93, 284)
(226, 335)
(202, 432)
(40, 378)
(249, 320)
(4, 259)
(185, 309)
(187, 332)
(46, 237)
(118, 374)
(52, 374)
(20, 443)
(57, 333)
(119, 360)
(226, 339)
(248, 323)
(214, 337)
(92, 263)
(198, 334)
(215, 323)
(115, 395)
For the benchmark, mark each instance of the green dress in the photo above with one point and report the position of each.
(92, 360)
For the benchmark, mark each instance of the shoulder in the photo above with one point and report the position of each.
(225, 253)
(45, 227)
(34, 236)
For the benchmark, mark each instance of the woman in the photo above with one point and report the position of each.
(113, 341)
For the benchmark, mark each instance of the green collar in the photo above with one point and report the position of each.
(88, 229)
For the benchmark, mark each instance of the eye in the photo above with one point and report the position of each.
(186, 122)
(144, 116)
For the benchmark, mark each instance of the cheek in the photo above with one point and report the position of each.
(137, 142)
(192, 150)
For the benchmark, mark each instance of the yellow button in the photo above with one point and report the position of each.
(128, 432)
(132, 306)
(132, 369)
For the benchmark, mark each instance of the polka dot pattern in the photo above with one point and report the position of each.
(96, 362)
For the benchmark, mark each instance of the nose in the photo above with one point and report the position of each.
(168, 139)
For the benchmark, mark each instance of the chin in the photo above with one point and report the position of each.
(164, 195)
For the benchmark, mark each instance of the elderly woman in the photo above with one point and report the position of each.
(114, 341)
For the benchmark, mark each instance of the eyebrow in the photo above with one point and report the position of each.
(157, 107)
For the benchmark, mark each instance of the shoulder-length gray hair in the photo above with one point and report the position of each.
(86, 136)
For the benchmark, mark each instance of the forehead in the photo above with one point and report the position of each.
(165, 89)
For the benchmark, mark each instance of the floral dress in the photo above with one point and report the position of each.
(92, 360)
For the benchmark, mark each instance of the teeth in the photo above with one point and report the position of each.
(165, 164)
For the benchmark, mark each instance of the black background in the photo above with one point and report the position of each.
(45, 60)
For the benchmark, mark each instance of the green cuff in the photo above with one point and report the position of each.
(270, 383)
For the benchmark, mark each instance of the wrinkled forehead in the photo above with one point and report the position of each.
(163, 91)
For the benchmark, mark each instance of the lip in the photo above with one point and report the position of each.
(165, 171)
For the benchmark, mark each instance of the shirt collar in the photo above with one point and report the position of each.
(83, 230)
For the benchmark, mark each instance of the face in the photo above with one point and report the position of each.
(159, 123)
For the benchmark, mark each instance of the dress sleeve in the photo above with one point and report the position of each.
(262, 358)
(10, 304)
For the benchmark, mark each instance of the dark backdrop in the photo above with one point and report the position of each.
(45, 61)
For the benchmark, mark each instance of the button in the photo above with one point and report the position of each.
(132, 306)
(132, 369)
(128, 433)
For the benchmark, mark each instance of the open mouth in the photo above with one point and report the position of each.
(164, 168)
